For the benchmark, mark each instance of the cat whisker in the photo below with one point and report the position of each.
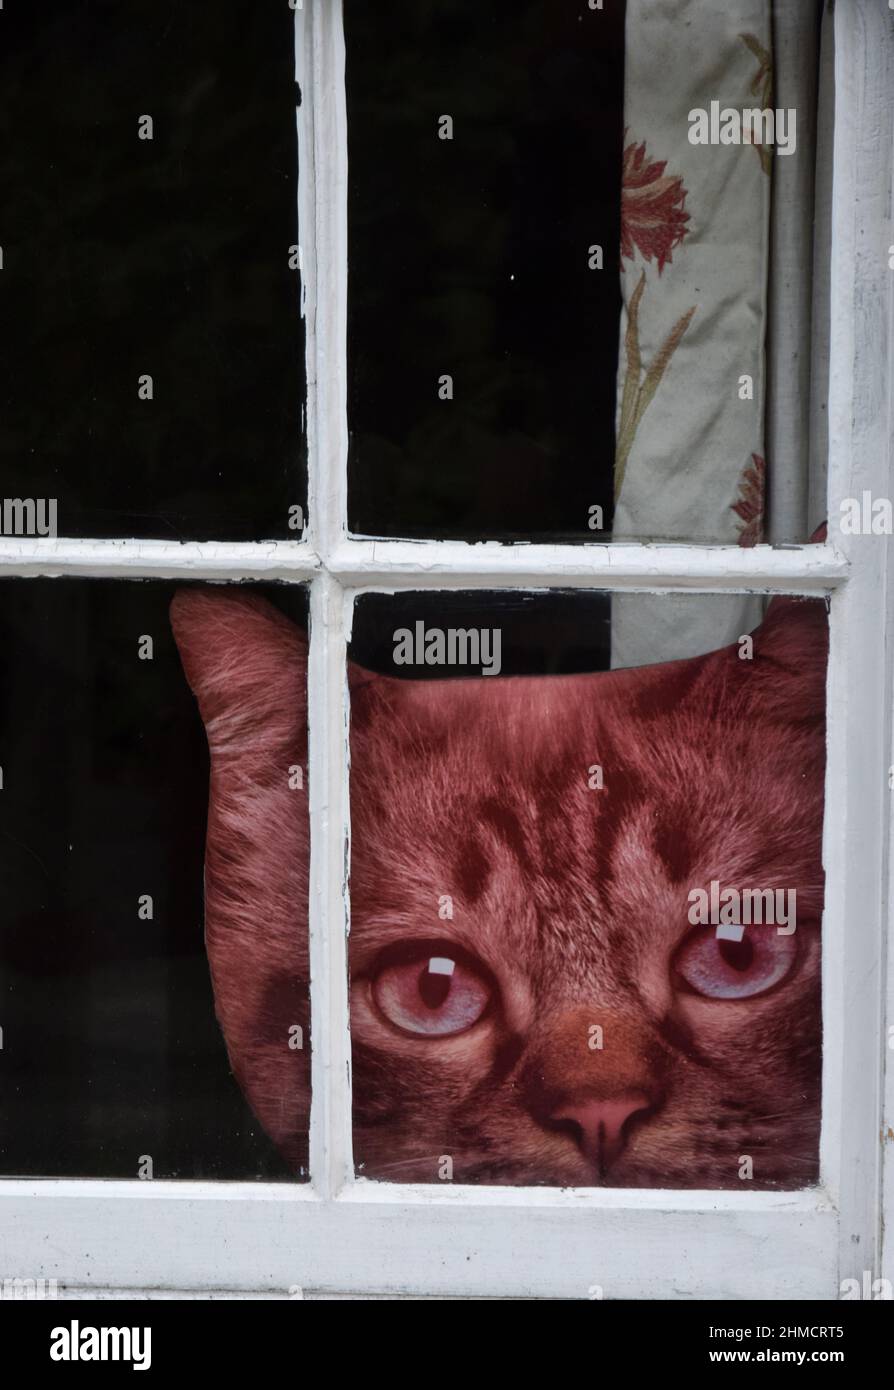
(403, 1162)
(779, 1115)
(787, 1153)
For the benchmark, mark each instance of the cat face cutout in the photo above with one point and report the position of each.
(531, 999)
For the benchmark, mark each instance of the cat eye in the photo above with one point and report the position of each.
(431, 989)
(719, 969)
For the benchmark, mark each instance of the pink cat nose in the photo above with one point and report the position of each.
(601, 1123)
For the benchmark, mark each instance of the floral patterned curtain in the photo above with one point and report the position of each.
(696, 249)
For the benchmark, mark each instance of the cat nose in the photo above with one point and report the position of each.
(601, 1124)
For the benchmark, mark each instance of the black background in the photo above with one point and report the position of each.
(124, 256)
(547, 633)
(110, 1045)
(531, 179)
(677, 1331)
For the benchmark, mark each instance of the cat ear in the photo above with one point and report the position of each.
(791, 652)
(791, 649)
(247, 665)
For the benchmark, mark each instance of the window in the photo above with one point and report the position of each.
(416, 562)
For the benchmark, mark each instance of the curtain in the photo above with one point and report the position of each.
(718, 411)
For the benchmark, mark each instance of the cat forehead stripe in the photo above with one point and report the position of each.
(622, 795)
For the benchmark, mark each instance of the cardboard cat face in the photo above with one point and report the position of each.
(568, 1020)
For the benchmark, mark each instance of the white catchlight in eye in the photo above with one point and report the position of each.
(440, 965)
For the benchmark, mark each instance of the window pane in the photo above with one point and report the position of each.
(585, 902)
(152, 354)
(469, 265)
(588, 289)
(113, 1063)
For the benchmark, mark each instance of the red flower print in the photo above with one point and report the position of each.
(750, 506)
(652, 216)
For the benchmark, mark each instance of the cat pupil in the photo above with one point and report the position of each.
(433, 988)
(737, 954)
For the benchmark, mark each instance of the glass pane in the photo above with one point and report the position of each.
(588, 289)
(485, 149)
(152, 354)
(113, 1063)
(586, 900)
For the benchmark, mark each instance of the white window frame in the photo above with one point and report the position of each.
(341, 1234)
